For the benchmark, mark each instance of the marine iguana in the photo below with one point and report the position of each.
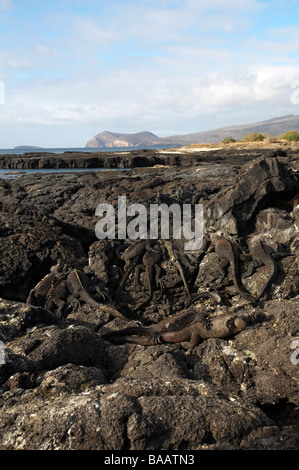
(188, 328)
(261, 256)
(39, 292)
(137, 249)
(79, 284)
(59, 288)
(132, 257)
(176, 257)
(173, 323)
(150, 261)
(228, 253)
(147, 255)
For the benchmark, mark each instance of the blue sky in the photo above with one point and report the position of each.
(71, 69)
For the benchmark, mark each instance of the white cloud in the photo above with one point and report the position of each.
(96, 35)
(6, 4)
(119, 101)
(46, 51)
(155, 22)
(148, 66)
(12, 61)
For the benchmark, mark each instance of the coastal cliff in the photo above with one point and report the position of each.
(180, 157)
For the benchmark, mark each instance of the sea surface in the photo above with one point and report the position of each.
(15, 173)
(83, 149)
(12, 173)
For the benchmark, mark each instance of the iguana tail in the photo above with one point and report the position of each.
(133, 330)
(105, 308)
(240, 291)
(124, 279)
(270, 279)
(237, 284)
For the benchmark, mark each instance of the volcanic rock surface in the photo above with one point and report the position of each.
(63, 386)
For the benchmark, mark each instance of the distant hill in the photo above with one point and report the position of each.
(113, 139)
(274, 127)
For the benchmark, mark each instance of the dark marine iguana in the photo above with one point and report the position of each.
(147, 255)
(38, 293)
(79, 285)
(137, 249)
(150, 265)
(188, 328)
(132, 257)
(59, 288)
(228, 252)
(263, 254)
(260, 254)
(176, 257)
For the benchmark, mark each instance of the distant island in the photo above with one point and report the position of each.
(271, 127)
(27, 147)
(112, 139)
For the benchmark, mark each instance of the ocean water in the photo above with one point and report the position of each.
(83, 149)
(16, 173)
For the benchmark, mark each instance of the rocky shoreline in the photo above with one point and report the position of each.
(65, 386)
(185, 156)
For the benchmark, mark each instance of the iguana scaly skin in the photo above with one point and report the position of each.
(175, 257)
(228, 253)
(78, 284)
(174, 323)
(188, 328)
(137, 249)
(150, 264)
(132, 257)
(261, 256)
(38, 294)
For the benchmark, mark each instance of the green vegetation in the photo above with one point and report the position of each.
(228, 140)
(290, 135)
(253, 137)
